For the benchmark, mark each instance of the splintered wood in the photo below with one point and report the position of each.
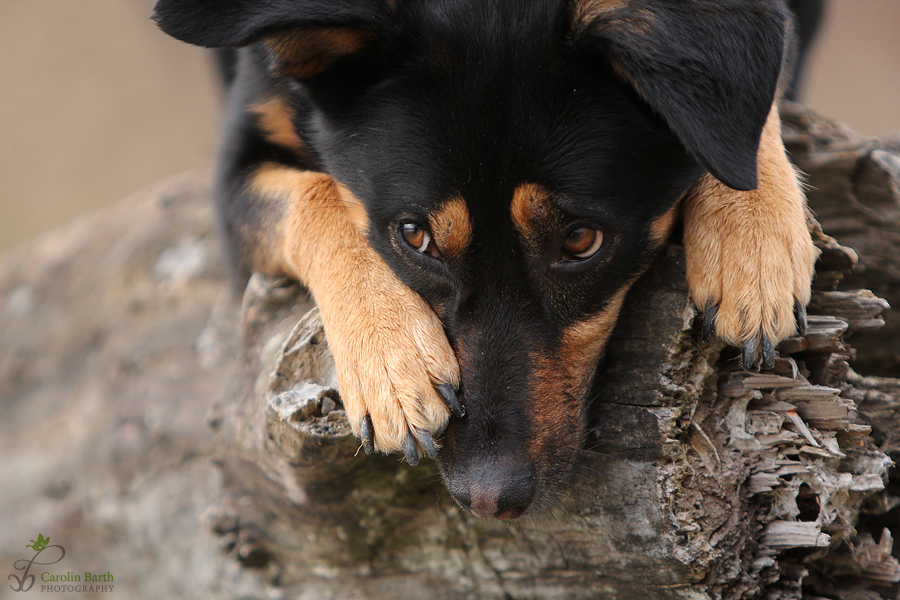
(813, 463)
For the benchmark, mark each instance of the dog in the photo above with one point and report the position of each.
(468, 188)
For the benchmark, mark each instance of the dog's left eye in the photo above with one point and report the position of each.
(419, 239)
(582, 243)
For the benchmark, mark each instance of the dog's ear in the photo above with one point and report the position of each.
(304, 36)
(710, 68)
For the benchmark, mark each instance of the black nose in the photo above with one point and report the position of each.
(501, 488)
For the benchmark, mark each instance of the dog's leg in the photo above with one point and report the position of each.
(750, 257)
(394, 362)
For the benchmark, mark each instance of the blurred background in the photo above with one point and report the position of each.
(96, 103)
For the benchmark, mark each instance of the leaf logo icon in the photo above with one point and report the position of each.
(39, 544)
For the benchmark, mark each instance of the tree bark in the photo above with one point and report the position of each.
(194, 445)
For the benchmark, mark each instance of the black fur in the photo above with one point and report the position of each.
(617, 116)
(710, 70)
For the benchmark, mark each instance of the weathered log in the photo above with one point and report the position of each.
(854, 190)
(195, 447)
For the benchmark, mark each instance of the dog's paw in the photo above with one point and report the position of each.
(750, 261)
(397, 373)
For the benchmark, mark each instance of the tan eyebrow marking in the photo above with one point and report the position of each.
(530, 205)
(451, 226)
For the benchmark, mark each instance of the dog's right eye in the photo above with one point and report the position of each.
(582, 243)
(419, 239)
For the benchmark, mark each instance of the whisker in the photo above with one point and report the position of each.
(596, 428)
(612, 455)
(583, 477)
(579, 465)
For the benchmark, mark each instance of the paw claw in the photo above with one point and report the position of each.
(768, 353)
(427, 443)
(709, 322)
(449, 395)
(390, 385)
(749, 255)
(409, 450)
(748, 354)
(800, 311)
(366, 435)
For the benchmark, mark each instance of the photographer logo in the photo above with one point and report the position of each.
(46, 555)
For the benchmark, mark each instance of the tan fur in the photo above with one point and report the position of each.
(303, 52)
(389, 346)
(623, 16)
(586, 11)
(661, 227)
(561, 379)
(751, 252)
(555, 408)
(276, 121)
(452, 227)
(531, 204)
(583, 342)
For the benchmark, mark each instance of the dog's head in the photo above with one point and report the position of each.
(520, 162)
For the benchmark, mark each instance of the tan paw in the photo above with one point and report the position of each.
(396, 370)
(750, 258)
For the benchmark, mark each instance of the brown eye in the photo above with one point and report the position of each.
(582, 242)
(419, 238)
